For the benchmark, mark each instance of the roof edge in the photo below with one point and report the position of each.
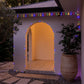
(39, 10)
(59, 5)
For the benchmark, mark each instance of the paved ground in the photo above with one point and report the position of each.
(8, 76)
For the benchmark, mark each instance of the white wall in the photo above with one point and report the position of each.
(19, 39)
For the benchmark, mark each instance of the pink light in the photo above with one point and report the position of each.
(73, 13)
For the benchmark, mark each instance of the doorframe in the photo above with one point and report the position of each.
(26, 57)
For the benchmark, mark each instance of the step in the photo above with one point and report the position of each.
(23, 81)
(38, 76)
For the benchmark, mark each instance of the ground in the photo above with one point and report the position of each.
(8, 76)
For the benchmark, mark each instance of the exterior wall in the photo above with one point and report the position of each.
(82, 45)
(19, 39)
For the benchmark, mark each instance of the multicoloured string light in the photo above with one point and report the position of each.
(78, 21)
(51, 14)
(46, 14)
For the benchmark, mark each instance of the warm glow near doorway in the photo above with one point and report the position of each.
(41, 47)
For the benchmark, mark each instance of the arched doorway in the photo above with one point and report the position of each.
(40, 47)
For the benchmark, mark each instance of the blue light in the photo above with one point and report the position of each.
(24, 48)
(25, 15)
(59, 73)
(79, 26)
(51, 14)
(13, 63)
(78, 17)
(70, 13)
(61, 13)
(76, 35)
(17, 15)
(42, 14)
(34, 15)
(22, 71)
(31, 23)
(55, 50)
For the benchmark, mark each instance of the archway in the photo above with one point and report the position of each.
(40, 47)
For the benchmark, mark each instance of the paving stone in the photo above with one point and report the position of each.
(1, 63)
(37, 82)
(4, 76)
(38, 76)
(11, 80)
(8, 65)
(4, 70)
(23, 81)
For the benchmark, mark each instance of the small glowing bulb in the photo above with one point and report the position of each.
(49, 14)
(68, 13)
(40, 14)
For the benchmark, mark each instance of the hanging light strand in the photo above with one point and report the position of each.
(48, 14)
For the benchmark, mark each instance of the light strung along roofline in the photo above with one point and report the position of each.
(46, 14)
(26, 15)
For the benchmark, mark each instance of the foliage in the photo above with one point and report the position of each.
(71, 39)
(6, 51)
(14, 3)
(8, 24)
(34, 1)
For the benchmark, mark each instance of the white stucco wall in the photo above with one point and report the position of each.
(19, 39)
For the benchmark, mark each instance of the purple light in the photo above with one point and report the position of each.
(24, 48)
(13, 63)
(51, 14)
(76, 36)
(42, 14)
(25, 15)
(34, 15)
(79, 26)
(55, 50)
(17, 15)
(78, 17)
(59, 73)
(70, 13)
(61, 13)
(22, 71)
(31, 23)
